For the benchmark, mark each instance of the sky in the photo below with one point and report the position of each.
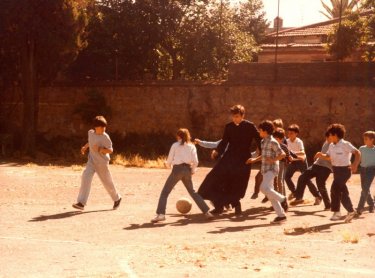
(295, 12)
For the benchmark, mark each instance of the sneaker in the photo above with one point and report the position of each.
(318, 200)
(158, 218)
(117, 203)
(254, 196)
(350, 216)
(265, 200)
(296, 202)
(284, 204)
(279, 220)
(336, 216)
(78, 206)
(209, 215)
(291, 196)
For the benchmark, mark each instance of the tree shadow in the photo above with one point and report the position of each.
(63, 215)
(298, 231)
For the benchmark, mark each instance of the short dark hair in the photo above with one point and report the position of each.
(336, 129)
(369, 134)
(237, 109)
(99, 121)
(266, 126)
(293, 127)
(279, 133)
(278, 123)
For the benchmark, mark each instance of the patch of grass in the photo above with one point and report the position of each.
(137, 160)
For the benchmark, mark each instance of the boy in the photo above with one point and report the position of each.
(279, 135)
(321, 169)
(340, 153)
(367, 171)
(100, 147)
(271, 153)
(296, 146)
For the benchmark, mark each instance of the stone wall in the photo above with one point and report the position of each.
(203, 108)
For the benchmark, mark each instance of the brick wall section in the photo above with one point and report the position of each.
(164, 107)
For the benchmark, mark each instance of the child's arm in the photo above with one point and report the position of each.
(253, 160)
(84, 148)
(207, 144)
(104, 150)
(323, 156)
(357, 160)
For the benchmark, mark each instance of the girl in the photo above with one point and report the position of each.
(184, 160)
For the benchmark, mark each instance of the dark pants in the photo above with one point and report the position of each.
(321, 174)
(300, 166)
(339, 190)
(367, 176)
(258, 182)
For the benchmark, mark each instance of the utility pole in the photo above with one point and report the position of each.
(277, 38)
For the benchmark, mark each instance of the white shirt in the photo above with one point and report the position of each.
(295, 146)
(180, 154)
(341, 153)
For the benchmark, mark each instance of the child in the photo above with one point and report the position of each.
(183, 157)
(100, 147)
(367, 171)
(295, 145)
(321, 169)
(279, 135)
(271, 153)
(339, 153)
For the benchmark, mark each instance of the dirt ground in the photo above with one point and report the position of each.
(41, 235)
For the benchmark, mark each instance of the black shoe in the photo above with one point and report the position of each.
(238, 210)
(254, 196)
(117, 203)
(265, 200)
(279, 220)
(284, 204)
(78, 206)
(217, 211)
(327, 208)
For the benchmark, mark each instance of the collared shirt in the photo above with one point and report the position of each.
(270, 149)
(367, 156)
(323, 162)
(183, 154)
(296, 145)
(341, 153)
(102, 141)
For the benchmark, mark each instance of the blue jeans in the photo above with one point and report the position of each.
(182, 173)
(367, 176)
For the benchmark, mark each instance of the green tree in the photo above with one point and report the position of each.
(39, 39)
(334, 10)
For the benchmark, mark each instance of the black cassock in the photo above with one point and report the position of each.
(227, 182)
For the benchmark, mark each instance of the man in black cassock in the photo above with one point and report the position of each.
(227, 182)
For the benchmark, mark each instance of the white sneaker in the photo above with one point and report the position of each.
(350, 216)
(336, 216)
(209, 215)
(158, 218)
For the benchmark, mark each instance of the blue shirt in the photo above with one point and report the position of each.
(367, 156)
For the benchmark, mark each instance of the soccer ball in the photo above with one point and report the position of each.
(183, 205)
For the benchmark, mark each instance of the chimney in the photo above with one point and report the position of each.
(278, 20)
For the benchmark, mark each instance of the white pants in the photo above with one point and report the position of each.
(104, 176)
(275, 197)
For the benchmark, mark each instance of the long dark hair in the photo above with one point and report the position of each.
(184, 134)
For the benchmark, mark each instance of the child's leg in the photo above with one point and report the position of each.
(186, 180)
(322, 174)
(311, 186)
(86, 180)
(171, 181)
(258, 181)
(342, 175)
(303, 180)
(280, 177)
(275, 198)
(106, 178)
(290, 170)
(366, 179)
